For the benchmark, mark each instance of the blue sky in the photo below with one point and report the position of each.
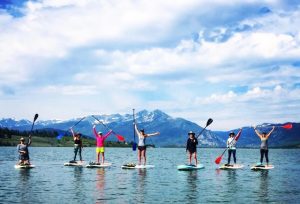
(235, 61)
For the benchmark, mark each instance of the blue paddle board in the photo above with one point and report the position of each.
(187, 167)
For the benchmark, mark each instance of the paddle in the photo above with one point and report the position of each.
(209, 121)
(77, 122)
(287, 126)
(119, 137)
(134, 143)
(34, 119)
(218, 159)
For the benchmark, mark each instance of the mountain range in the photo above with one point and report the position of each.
(173, 131)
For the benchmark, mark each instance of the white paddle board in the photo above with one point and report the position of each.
(80, 164)
(232, 166)
(137, 166)
(187, 167)
(262, 167)
(101, 165)
(30, 166)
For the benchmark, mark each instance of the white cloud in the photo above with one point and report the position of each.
(129, 53)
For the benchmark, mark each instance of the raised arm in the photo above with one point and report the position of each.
(137, 130)
(258, 133)
(73, 134)
(29, 140)
(107, 134)
(268, 135)
(152, 134)
(238, 135)
(94, 130)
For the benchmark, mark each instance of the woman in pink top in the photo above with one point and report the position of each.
(100, 143)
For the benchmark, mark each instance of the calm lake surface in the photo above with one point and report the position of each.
(51, 182)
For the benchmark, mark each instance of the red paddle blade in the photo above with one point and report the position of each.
(120, 138)
(288, 126)
(218, 160)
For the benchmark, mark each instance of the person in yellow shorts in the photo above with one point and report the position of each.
(100, 143)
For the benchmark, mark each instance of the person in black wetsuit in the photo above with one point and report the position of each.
(191, 147)
(77, 144)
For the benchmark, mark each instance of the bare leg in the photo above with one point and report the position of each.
(103, 157)
(144, 155)
(98, 154)
(139, 157)
(190, 158)
(195, 156)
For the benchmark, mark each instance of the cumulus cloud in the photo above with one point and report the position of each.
(172, 55)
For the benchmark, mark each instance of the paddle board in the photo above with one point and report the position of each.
(187, 167)
(30, 166)
(102, 165)
(232, 166)
(133, 166)
(262, 167)
(80, 164)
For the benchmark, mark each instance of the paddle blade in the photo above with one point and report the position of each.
(134, 146)
(218, 160)
(209, 121)
(60, 136)
(35, 117)
(120, 138)
(288, 126)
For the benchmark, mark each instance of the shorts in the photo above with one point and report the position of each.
(192, 151)
(99, 149)
(141, 148)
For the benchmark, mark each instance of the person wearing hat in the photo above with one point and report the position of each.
(231, 145)
(77, 144)
(23, 151)
(141, 144)
(191, 147)
(100, 143)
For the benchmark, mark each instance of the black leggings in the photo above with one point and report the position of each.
(76, 149)
(233, 151)
(262, 153)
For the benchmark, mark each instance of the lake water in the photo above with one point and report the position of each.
(51, 182)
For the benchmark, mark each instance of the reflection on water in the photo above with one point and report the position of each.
(192, 190)
(264, 186)
(100, 184)
(141, 185)
(78, 183)
(24, 184)
(231, 183)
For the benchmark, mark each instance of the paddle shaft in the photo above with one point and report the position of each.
(34, 119)
(77, 122)
(103, 124)
(133, 115)
(201, 132)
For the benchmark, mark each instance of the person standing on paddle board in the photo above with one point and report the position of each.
(100, 143)
(23, 151)
(141, 144)
(191, 147)
(77, 144)
(231, 145)
(264, 151)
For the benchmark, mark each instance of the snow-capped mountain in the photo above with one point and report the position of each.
(173, 131)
